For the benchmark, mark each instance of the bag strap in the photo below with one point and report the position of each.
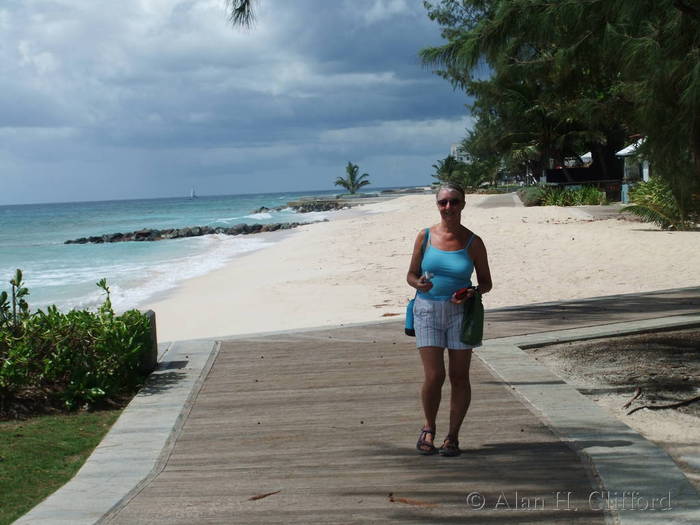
(470, 240)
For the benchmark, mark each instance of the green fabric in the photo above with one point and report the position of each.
(473, 321)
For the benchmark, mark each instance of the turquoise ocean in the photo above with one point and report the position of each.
(32, 238)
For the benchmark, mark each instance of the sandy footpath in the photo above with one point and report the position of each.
(353, 268)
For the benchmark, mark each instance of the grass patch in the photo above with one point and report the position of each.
(39, 455)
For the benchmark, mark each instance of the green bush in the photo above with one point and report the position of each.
(653, 201)
(585, 195)
(75, 358)
(556, 196)
(532, 195)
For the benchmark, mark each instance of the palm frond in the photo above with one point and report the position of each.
(651, 213)
(242, 13)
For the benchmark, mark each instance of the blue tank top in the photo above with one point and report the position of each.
(451, 270)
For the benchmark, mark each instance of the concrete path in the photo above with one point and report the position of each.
(510, 200)
(545, 317)
(322, 423)
(501, 200)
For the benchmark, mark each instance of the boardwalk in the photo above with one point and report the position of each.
(329, 421)
(324, 422)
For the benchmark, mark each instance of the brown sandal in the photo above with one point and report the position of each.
(426, 447)
(450, 447)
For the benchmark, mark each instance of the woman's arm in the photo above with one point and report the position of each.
(414, 277)
(477, 251)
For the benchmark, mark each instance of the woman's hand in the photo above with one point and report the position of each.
(462, 295)
(423, 284)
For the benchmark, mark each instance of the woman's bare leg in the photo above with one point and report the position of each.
(434, 368)
(461, 394)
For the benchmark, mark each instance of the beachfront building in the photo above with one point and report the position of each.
(636, 168)
(458, 153)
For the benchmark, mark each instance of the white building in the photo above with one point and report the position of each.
(457, 153)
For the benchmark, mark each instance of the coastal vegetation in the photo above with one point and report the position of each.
(353, 181)
(51, 364)
(550, 80)
(50, 360)
(653, 201)
(554, 196)
(468, 175)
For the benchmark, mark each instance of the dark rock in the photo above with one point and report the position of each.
(171, 233)
(316, 205)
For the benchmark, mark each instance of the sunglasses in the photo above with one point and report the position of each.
(453, 202)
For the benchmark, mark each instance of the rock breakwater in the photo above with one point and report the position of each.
(307, 206)
(178, 233)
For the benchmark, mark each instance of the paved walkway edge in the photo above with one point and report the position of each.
(625, 463)
(137, 446)
(659, 324)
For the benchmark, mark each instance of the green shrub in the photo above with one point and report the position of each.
(556, 196)
(71, 358)
(532, 195)
(589, 196)
(585, 195)
(653, 201)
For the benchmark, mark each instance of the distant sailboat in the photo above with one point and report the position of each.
(193, 195)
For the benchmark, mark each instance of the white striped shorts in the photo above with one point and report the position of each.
(438, 323)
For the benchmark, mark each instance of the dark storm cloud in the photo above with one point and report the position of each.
(167, 94)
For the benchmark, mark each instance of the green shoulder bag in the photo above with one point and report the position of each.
(473, 321)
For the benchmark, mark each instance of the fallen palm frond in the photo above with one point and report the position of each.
(637, 393)
(653, 201)
(682, 403)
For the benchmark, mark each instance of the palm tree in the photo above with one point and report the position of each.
(352, 183)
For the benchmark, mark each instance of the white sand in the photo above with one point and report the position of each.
(677, 433)
(354, 269)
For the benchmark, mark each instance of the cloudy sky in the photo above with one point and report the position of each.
(146, 98)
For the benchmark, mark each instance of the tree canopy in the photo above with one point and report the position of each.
(554, 78)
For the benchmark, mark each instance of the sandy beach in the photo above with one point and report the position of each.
(352, 268)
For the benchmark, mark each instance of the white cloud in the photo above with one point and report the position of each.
(42, 61)
(384, 9)
(404, 132)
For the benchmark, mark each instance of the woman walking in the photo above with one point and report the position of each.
(452, 252)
